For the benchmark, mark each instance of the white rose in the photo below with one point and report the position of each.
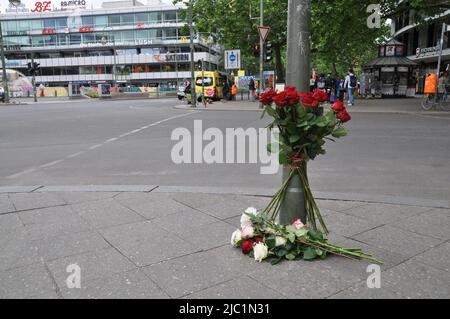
(280, 241)
(252, 211)
(236, 238)
(245, 221)
(248, 232)
(261, 252)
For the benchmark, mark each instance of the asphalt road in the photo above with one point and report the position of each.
(129, 143)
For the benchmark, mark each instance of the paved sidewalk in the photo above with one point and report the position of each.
(396, 106)
(147, 242)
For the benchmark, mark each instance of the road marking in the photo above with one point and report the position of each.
(28, 171)
(76, 155)
(51, 164)
(94, 147)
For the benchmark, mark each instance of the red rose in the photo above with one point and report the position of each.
(293, 97)
(338, 106)
(343, 116)
(281, 100)
(308, 99)
(247, 247)
(321, 96)
(267, 98)
(259, 240)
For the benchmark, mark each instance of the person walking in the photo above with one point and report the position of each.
(351, 83)
(252, 89)
(226, 90)
(234, 92)
(321, 83)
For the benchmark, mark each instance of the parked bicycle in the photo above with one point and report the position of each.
(442, 102)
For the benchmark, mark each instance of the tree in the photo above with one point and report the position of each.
(341, 37)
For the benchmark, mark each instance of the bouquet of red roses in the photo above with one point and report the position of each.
(304, 130)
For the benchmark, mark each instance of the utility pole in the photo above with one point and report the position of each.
(261, 54)
(441, 46)
(299, 44)
(298, 71)
(191, 35)
(33, 80)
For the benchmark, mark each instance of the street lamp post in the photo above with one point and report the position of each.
(261, 54)
(298, 70)
(191, 37)
(15, 3)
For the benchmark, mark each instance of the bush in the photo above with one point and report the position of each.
(92, 95)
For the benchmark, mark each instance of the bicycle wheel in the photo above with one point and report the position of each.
(428, 102)
(445, 105)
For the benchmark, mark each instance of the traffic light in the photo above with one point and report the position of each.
(30, 69)
(37, 67)
(256, 50)
(268, 56)
(33, 68)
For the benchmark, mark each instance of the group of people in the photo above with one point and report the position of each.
(440, 85)
(337, 89)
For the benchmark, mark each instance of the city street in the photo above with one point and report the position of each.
(128, 143)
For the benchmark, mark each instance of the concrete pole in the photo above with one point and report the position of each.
(297, 74)
(33, 81)
(191, 36)
(261, 54)
(441, 46)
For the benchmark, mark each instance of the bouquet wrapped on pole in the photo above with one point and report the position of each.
(304, 130)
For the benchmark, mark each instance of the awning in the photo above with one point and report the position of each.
(389, 61)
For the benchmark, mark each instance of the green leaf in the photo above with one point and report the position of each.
(309, 254)
(281, 253)
(340, 132)
(290, 257)
(294, 138)
(291, 238)
(270, 243)
(302, 232)
(271, 111)
(316, 235)
(283, 158)
(291, 229)
(276, 261)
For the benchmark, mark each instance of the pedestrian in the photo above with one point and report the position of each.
(441, 86)
(321, 83)
(234, 91)
(252, 89)
(226, 90)
(351, 83)
(188, 92)
(312, 84)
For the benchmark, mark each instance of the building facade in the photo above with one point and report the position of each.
(130, 45)
(422, 42)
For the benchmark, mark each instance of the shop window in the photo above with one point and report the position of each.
(170, 34)
(75, 39)
(62, 39)
(38, 41)
(88, 38)
(100, 21)
(87, 21)
(142, 34)
(36, 25)
(61, 23)
(49, 24)
(128, 36)
(23, 26)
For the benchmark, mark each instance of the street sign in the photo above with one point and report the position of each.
(448, 28)
(232, 59)
(264, 33)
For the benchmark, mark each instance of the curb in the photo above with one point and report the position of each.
(256, 192)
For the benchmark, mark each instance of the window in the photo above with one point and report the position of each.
(150, 51)
(36, 25)
(100, 21)
(155, 34)
(154, 17)
(49, 23)
(38, 41)
(23, 26)
(116, 37)
(88, 38)
(62, 39)
(142, 34)
(114, 20)
(75, 39)
(50, 40)
(87, 21)
(170, 34)
(128, 36)
(170, 16)
(141, 17)
(61, 23)
(127, 19)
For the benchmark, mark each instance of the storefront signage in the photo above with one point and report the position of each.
(42, 6)
(48, 31)
(21, 8)
(388, 69)
(88, 29)
(177, 57)
(73, 3)
(390, 50)
(427, 51)
(402, 69)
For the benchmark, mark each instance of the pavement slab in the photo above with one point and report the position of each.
(50, 222)
(25, 201)
(128, 285)
(16, 250)
(106, 213)
(93, 265)
(145, 243)
(437, 257)
(6, 205)
(397, 240)
(26, 282)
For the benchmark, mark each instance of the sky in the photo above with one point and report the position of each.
(89, 3)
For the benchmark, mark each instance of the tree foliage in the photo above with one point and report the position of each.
(340, 35)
